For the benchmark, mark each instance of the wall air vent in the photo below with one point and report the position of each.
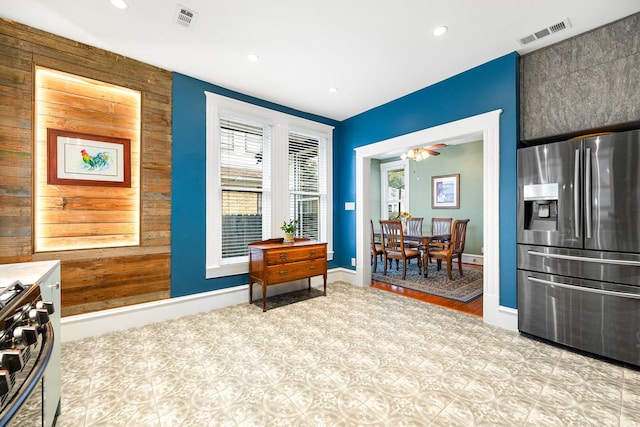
(185, 16)
(530, 38)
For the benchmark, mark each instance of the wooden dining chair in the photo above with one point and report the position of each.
(455, 248)
(439, 227)
(394, 247)
(376, 249)
(414, 228)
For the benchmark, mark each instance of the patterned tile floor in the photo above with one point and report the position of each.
(358, 357)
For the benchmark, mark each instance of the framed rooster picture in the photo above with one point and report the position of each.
(82, 159)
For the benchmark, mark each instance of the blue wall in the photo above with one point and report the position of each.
(188, 240)
(488, 87)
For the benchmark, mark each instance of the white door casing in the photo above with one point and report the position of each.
(485, 127)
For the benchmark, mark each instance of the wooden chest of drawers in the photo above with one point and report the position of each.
(272, 262)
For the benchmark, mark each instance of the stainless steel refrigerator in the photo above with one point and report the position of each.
(579, 244)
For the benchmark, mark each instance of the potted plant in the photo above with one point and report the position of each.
(289, 229)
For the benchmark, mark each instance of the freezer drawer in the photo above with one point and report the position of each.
(583, 314)
(612, 267)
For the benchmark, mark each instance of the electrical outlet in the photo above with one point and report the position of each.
(353, 262)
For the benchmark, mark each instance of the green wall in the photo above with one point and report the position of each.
(464, 159)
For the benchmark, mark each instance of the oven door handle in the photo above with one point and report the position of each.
(586, 259)
(584, 289)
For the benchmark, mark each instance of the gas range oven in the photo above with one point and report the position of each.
(26, 343)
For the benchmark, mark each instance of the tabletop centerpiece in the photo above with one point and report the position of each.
(289, 229)
(404, 217)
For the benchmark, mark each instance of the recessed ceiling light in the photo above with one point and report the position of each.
(333, 89)
(252, 57)
(120, 4)
(440, 30)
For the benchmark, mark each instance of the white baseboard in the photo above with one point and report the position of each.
(343, 275)
(473, 259)
(81, 326)
(101, 322)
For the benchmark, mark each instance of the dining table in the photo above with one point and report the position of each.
(423, 243)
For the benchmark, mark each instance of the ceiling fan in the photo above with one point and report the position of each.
(421, 153)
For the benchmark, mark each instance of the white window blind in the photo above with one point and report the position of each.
(307, 188)
(242, 170)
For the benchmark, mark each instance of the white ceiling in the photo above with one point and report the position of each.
(373, 51)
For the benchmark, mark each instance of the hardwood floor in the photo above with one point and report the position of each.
(473, 307)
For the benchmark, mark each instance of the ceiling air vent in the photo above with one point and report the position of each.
(560, 26)
(185, 16)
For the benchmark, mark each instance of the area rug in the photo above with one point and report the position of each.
(463, 289)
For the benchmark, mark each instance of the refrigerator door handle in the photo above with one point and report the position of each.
(586, 259)
(584, 289)
(576, 194)
(587, 192)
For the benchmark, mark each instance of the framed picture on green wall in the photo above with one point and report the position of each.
(445, 192)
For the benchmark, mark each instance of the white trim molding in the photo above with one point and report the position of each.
(81, 326)
(483, 126)
(385, 168)
(276, 203)
(473, 259)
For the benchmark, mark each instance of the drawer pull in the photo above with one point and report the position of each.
(312, 267)
(282, 272)
(313, 252)
(283, 256)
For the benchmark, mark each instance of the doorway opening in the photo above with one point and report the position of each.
(462, 161)
(485, 127)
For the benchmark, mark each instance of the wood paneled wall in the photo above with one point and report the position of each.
(85, 216)
(92, 279)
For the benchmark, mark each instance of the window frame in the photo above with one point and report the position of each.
(280, 125)
(385, 168)
(321, 192)
(264, 139)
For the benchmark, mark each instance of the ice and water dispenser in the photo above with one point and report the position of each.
(541, 207)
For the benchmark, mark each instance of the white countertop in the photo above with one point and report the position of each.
(27, 272)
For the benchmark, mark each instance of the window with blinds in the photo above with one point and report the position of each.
(307, 190)
(263, 167)
(241, 184)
